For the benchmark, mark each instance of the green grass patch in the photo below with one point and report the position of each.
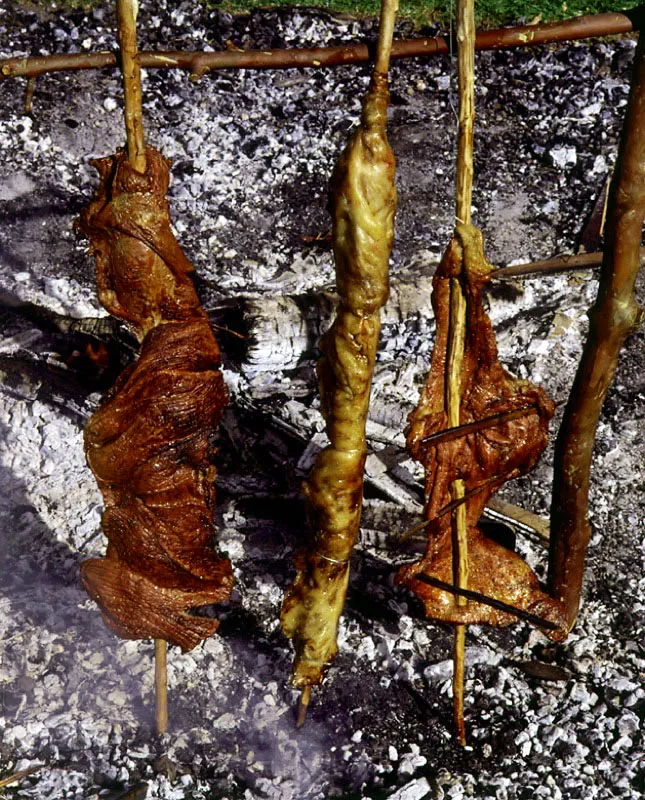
(489, 13)
(54, 6)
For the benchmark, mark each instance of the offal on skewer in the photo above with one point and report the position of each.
(464, 469)
(492, 455)
(363, 203)
(467, 384)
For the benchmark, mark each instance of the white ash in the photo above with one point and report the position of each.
(252, 154)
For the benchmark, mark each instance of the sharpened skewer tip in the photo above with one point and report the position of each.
(303, 705)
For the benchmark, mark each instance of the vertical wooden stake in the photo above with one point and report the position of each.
(303, 705)
(389, 9)
(466, 80)
(457, 331)
(460, 548)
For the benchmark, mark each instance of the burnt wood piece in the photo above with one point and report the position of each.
(148, 445)
(484, 458)
(613, 317)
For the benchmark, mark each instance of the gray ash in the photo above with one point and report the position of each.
(253, 152)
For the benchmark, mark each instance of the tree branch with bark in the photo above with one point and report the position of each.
(200, 63)
(613, 317)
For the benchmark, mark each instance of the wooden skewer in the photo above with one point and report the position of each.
(460, 547)
(457, 330)
(385, 35)
(161, 685)
(303, 705)
(126, 17)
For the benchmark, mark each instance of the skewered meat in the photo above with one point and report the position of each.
(483, 459)
(149, 443)
(363, 200)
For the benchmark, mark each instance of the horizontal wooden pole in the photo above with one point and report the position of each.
(553, 265)
(199, 63)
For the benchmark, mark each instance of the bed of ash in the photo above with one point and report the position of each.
(252, 152)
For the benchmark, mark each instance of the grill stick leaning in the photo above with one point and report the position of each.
(363, 203)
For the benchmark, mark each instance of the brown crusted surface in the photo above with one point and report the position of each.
(148, 444)
(141, 271)
(363, 200)
(492, 455)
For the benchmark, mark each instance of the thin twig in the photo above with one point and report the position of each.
(552, 265)
(455, 503)
(9, 779)
(484, 599)
(613, 317)
(229, 331)
(450, 434)
(199, 63)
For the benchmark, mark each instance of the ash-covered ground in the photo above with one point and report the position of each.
(252, 153)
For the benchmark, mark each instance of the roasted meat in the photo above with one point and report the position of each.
(484, 459)
(363, 202)
(149, 444)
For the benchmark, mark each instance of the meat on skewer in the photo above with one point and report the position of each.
(483, 459)
(363, 202)
(148, 445)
